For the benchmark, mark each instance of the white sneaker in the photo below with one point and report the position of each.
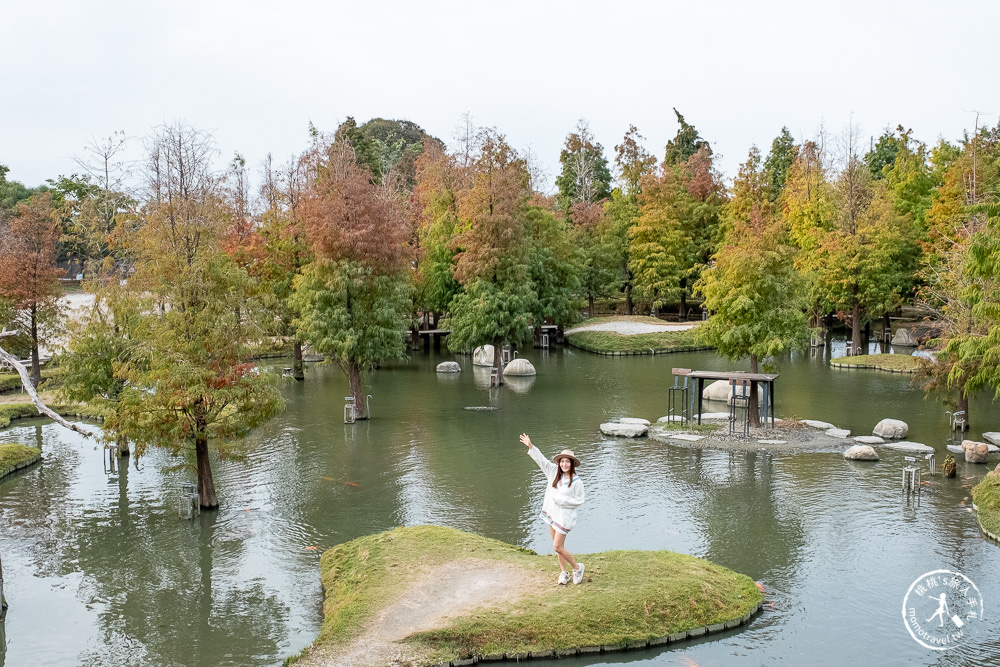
(578, 574)
(563, 578)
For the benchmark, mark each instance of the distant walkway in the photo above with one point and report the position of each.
(626, 328)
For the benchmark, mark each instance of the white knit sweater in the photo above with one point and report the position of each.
(560, 503)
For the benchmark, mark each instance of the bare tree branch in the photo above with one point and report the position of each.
(9, 358)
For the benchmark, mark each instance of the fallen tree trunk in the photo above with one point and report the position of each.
(39, 405)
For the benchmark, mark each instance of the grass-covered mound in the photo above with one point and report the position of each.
(894, 363)
(610, 342)
(627, 596)
(11, 411)
(14, 456)
(986, 495)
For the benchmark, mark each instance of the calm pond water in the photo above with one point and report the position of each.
(99, 569)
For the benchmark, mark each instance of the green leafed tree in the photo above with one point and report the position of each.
(354, 300)
(493, 264)
(189, 378)
(779, 161)
(753, 290)
(658, 248)
(686, 143)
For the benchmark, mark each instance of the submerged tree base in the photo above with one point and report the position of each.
(430, 595)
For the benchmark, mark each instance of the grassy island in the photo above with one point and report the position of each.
(986, 495)
(14, 457)
(894, 363)
(628, 600)
(615, 343)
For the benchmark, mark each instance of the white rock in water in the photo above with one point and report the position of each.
(670, 418)
(861, 453)
(689, 437)
(818, 424)
(624, 430)
(483, 356)
(633, 420)
(714, 416)
(838, 433)
(869, 439)
(992, 437)
(519, 367)
(449, 367)
(891, 429)
(955, 449)
(721, 390)
(907, 446)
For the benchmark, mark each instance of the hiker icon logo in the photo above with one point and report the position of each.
(941, 608)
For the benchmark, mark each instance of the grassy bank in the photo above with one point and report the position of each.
(894, 363)
(12, 456)
(26, 410)
(986, 495)
(11, 382)
(629, 596)
(609, 342)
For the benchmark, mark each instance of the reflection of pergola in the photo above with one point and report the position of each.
(766, 378)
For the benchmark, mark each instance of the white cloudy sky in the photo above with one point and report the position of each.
(256, 73)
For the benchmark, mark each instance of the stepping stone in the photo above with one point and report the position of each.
(907, 446)
(869, 440)
(670, 418)
(838, 433)
(633, 420)
(955, 449)
(861, 453)
(624, 430)
(992, 437)
(686, 436)
(712, 416)
(773, 442)
(818, 424)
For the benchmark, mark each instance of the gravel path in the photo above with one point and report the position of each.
(632, 328)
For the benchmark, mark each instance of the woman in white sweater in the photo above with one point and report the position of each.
(563, 495)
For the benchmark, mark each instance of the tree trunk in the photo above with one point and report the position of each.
(3, 598)
(498, 360)
(206, 485)
(36, 366)
(629, 306)
(298, 364)
(123, 449)
(414, 338)
(753, 405)
(684, 305)
(856, 328)
(357, 391)
(963, 405)
(590, 305)
(867, 337)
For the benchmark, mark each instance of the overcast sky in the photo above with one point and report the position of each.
(256, 73)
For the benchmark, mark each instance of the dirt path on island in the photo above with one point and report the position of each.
(438, 594)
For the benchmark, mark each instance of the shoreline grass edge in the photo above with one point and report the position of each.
(631, 599)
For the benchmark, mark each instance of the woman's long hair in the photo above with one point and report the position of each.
(559, 472)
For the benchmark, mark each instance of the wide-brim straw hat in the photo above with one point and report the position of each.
(566, 454)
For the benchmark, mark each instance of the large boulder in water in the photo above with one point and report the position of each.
(483, 356)
(721, 390)
(903, 338)
(861, 453)
(891, 429)
(519, 367)
(975, 452)
(449, 367)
